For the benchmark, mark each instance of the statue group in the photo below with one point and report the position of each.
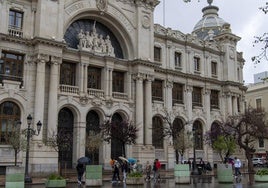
(93, 42)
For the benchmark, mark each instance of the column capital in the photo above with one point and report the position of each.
(41, 58)
(139, 76)
(189, 89)
(169, 83)
(55, 60)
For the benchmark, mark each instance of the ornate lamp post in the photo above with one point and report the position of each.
(29, 133)
(194, 168)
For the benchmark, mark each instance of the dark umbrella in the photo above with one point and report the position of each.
(83, 160)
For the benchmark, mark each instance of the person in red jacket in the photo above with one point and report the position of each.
(156, 169)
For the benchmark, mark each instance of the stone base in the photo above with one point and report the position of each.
(93, 182)
(259, 178)
(135, 181)
(55, 183)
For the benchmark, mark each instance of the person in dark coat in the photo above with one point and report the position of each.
(116, 172)
(80, 172)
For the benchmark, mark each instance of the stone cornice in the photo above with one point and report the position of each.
(146, 3)
(145, 62)
(185, 39)
(33, 41)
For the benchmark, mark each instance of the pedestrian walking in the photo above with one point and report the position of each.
(156, 169)
(116, 172)
(237, 166)
(148, 170)
(80, 172)
(124, 170)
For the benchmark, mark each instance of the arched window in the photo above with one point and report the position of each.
(214, 131)
(116, 145)
(92, 129)
(9, 117)
(65, 137)
(198, 135)
(177, 128)
(157, 133)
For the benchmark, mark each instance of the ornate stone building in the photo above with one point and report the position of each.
(74, 64)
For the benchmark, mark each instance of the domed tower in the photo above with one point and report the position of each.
(211, 24)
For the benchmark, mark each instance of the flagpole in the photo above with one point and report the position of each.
(164, 13)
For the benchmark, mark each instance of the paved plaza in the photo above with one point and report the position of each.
(196, 182)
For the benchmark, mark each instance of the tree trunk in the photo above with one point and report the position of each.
(251, 171)
(16, 158)
(124, 150)
(177, 156)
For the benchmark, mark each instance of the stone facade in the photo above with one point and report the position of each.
(138, 51)
(257, 96)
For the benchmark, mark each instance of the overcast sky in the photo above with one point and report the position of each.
(244, 16)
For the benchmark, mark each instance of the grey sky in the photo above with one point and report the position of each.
(244, 16)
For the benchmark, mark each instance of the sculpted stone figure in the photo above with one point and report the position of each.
(95, 43)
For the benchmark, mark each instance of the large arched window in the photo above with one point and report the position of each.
(198, 135)
(116, 145)
(65, 137)
(177, 126)
(215, 131)
(92, 129)
(157, 133)
(9, 117)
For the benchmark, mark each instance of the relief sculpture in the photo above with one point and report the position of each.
(94, 42)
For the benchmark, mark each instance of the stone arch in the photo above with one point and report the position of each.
(116, 26)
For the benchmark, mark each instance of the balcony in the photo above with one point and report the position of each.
(95, 92)
(118, 95)
(69, 89)
(15, 31)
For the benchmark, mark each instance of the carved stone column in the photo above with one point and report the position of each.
(168, 94)
(81, 78)
(53, 94)
(139, 108)
(234, 101)
(189, 104)
(85, 78)
(148, 110)
(40, 89)
(229, 104)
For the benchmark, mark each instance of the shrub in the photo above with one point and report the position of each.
(262, 172)
(55, 177)
(135, 175)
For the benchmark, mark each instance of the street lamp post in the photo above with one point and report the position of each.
(29, 133)
(194, 168)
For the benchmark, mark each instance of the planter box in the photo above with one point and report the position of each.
(259, 178)
(94, 175)
(14, 177)
(182, 174)
(55, 183)
(225, 173)
(135, 180)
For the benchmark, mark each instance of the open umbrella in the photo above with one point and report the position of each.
(123, 159)
(83, 160)
(132, 160)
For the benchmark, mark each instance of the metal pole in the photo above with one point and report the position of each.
(27, 178)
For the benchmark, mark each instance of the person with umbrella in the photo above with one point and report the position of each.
(80, 168)
(80, 172)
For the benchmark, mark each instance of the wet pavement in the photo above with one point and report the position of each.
(196, 182)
